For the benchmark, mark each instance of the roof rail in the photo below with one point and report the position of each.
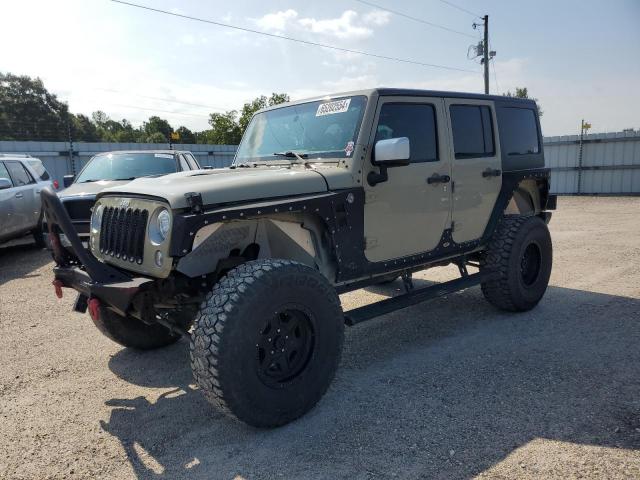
(15, 155)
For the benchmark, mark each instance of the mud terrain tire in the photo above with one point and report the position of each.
(521, 252)
(267, 341)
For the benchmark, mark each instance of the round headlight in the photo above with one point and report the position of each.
(164, 224)
(96, 219)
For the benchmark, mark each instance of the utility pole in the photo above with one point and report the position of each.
(485, 51)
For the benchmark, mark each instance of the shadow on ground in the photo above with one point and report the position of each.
(444, 389)
(19, 258)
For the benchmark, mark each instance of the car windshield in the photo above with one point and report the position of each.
(314, 130)
(127, 166)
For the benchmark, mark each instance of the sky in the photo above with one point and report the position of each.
(580, 58)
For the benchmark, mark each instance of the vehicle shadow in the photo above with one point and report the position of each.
(445, 389)
(19, 258)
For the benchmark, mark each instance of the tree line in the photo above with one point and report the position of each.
(28, 111)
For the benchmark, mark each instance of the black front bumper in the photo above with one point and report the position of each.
(76, 268)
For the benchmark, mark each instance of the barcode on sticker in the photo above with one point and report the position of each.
(339, 106)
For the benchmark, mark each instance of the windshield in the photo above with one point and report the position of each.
(127, 166)
(322, 129)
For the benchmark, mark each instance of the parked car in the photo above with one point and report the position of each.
(325, 196)
(22, 178)
(116, 168)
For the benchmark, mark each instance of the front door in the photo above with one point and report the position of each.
(476, 168)
(407, 214)
(25, 197)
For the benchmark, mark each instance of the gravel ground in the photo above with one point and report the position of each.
(448, 389)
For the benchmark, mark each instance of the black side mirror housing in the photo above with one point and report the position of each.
(67, 180)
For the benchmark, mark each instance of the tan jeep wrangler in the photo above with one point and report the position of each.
(325, 196)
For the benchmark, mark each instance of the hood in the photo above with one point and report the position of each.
(89, 189)
(227, 185)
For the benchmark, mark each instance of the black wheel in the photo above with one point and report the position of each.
(521, 252)
(267, 341)
(131, 332)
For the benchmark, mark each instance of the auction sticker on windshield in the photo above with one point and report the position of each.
(339, 106)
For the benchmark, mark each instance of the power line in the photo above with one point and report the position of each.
(461, 8)
(416, 19)
(292, 39)
(162, 99)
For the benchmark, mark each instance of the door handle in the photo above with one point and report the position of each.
(19, 195)
(435, 178)
(490, 172)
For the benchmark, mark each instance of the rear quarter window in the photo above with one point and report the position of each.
(38, 167)
(518, 131)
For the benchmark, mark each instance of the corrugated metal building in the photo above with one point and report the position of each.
(609, 163)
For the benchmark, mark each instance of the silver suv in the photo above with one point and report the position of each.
(22, 178)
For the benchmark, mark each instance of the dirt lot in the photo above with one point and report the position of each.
(447, 389)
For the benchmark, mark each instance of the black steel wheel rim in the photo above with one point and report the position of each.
(285, 345)
(530, 264)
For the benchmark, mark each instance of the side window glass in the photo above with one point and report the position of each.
(472, 131)
(38, 167)
(417, 122)
(4, 173)
(192, 161)
(518, 131)
(18, 174)
(183, 163)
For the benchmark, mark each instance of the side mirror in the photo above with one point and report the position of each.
(394, 152)
(68, 180)
(5, 183)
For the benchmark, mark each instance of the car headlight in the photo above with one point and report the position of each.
(96, 218)
(160, 226)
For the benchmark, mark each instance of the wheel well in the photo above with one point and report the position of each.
(526, 199)
(221, 246)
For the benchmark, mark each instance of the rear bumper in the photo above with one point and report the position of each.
(77, 268)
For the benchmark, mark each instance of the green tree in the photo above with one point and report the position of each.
(523, 93)
(186, 135)
(83, 129)
(156, 124)
(29, 112)
(224, 128)
(261, 102)
(156, 137)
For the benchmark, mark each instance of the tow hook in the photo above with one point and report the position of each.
(94, 309)
(57, 285)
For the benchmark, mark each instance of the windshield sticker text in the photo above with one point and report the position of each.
(339, 106)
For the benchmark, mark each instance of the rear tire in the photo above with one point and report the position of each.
(133, 333)
(38, 236)
(267, 341)
(521, 252)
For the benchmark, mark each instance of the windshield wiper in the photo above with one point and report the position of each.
(91, 180)
(291, 154)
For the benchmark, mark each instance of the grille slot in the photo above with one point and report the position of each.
(123, 233)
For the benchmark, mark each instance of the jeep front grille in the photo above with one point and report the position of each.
(123, 232)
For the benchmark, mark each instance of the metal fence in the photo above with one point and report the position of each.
(59, 160)
(602, 163)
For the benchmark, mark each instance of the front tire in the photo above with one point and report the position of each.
(521, 252)
(267, 341)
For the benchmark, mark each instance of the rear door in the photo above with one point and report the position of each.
(26, 198)
(7, 206)
(408, 213)
(476, 168)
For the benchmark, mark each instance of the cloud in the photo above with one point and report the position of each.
(276, 21)
(377, 17)
(350, 25)
(342, 27)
